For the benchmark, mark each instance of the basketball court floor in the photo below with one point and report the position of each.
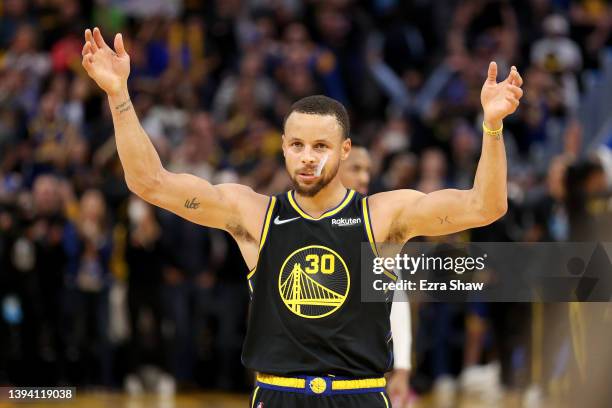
(212, 400)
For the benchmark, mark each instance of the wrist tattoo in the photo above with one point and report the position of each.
(124, 107)
(192, 204)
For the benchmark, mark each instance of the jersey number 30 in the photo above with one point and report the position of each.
(325, 262)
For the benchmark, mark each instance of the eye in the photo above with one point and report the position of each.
(296, 144)
(320, 146)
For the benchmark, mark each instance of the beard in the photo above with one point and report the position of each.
(310, 190)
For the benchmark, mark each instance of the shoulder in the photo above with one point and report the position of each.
(388, 200)
(388, 213)
(244, 196)
(250, 210)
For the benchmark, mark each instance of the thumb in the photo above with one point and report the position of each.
(492, 74)
(119, 47)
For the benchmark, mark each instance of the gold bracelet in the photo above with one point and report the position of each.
(494, 133)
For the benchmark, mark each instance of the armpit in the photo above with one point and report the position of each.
(239, 232)
(397, 232)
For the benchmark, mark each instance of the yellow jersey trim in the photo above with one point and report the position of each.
(382, 394)
(296, 207)
(254, 396)
(264, 232)
(370, 233)
(366, 219)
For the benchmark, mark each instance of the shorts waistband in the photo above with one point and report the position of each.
(321, 385)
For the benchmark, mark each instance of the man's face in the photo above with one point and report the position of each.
(308, 140)
(355, 171)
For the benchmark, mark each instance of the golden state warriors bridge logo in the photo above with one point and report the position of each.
(314, 281)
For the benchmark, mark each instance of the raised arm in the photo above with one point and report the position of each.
(190, 197)
(403, 214)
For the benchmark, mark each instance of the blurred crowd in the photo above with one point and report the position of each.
(97, 286)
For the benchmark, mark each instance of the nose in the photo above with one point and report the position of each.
(308, 156)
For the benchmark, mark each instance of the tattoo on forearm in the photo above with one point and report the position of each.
(444, 220)
(124, 106)
(192, 204)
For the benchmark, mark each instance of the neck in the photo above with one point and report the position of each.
(329, 197)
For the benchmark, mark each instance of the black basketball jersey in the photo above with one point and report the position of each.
(306, 314)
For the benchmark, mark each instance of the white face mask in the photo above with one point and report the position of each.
(136, 210)
(394, 141)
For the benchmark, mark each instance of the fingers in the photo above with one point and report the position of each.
(86, 48)
(97, 35)
(514, 78)
(87, 61)
(513, 101)
(119, 47)
(89, 38)
(519, 78)
(492, 72)
(515, 91)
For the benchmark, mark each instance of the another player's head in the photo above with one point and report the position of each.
(316, 133)
(355, 171)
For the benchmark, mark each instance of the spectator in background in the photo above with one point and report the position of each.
(550, 222)
(188, 253)
(35, 260)
(560, 55)
(24, 57)
(591, 27)
(433, 171)
(15, 13)
(464, 149)
(251, 71)
(145, 257)
(401, 173)
(50, 135)
(89, 246)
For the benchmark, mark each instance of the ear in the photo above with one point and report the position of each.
(283, 146)
(346, 149)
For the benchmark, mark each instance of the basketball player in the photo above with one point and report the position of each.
(355, 173)
(312, 340)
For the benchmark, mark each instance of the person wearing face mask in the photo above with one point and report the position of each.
(355, 173)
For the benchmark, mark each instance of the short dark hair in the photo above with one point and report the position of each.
(322, 105)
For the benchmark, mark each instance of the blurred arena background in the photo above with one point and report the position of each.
(136, 307)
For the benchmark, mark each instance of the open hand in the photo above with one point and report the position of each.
(500, 99)
(109, 68)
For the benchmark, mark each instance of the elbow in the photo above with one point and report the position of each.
(492, 212)
(144, 186)
(489, 210)
(499, 209)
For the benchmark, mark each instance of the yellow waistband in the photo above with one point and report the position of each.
(340, 384)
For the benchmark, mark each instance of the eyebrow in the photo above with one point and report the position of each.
(297, 139)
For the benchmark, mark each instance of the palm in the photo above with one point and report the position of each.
(108, 68)
(494, 100)
(500, 99)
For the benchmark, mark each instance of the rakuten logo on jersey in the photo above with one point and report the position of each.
(345, 222)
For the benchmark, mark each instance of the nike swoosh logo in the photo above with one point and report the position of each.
(278, 221)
